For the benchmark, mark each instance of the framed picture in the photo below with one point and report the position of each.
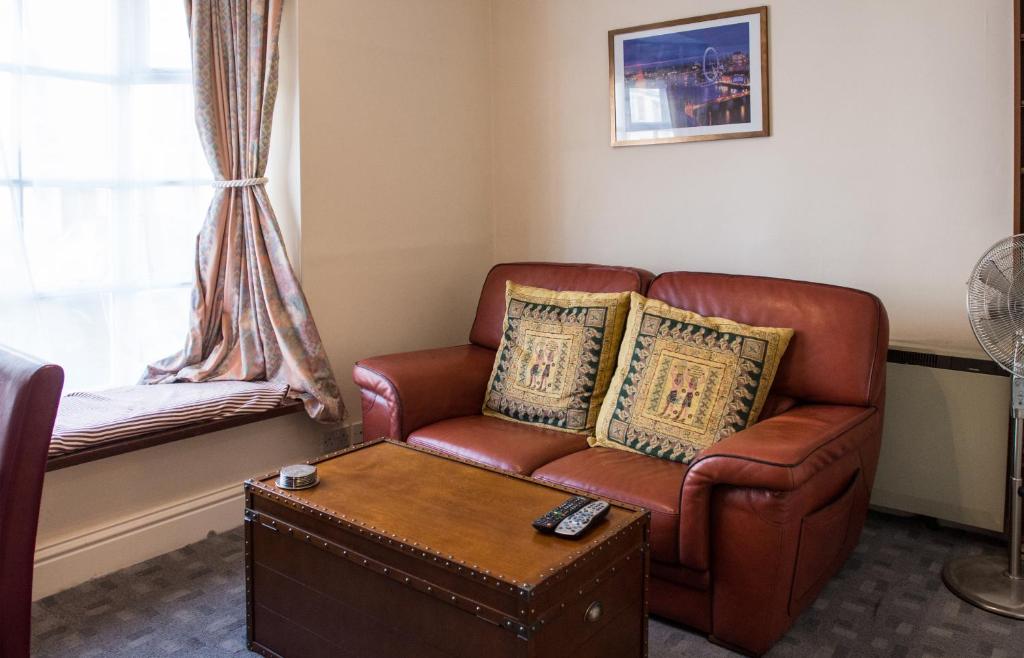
(690, 80)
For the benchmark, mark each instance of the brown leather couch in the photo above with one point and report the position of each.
(745, 537)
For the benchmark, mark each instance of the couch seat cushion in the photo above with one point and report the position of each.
(499, 443)
(631, 477)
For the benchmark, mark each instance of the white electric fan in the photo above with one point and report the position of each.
(995, 308)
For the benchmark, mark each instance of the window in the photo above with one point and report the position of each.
(103, 185)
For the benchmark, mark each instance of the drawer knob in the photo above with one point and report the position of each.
(593, 612)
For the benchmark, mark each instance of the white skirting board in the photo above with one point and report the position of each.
(68, 562)
(109, 514)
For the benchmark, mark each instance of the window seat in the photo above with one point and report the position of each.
(95, 425)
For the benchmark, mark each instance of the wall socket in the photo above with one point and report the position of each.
(340, 438)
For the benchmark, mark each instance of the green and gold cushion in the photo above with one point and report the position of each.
(685, 382)
(556, 357)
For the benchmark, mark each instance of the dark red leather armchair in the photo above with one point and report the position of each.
(745, 537)
(29, 394)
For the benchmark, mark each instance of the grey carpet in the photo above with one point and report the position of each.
(887, 601)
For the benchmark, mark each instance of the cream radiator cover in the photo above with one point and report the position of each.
(944, 446)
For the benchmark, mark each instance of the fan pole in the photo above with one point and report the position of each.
(1015, 475)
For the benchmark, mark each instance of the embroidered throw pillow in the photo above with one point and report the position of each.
(557, 354)
(685, 381)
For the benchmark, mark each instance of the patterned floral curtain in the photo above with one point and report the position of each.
(250, 320)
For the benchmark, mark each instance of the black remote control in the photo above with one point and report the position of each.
(579, 522)
(550, 521)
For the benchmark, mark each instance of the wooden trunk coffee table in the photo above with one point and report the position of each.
(401, 551)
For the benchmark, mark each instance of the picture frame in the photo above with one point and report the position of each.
(693, 79)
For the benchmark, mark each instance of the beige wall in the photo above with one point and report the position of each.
(395, 158)
(889, 167)
(439, 137)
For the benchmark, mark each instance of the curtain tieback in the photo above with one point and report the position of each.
(240, 182)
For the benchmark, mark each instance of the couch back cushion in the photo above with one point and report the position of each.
(490, 312)
(838, 350)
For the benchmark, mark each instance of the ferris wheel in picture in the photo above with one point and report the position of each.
(712, 67)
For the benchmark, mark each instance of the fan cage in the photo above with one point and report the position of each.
(995, 303)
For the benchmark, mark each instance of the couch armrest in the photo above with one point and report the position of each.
(403, 392)
(780, 454)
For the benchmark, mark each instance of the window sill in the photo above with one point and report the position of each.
(133, 443)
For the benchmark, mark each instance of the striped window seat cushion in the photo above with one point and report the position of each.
(89, 419)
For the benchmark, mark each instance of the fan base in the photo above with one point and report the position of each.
(983, 581)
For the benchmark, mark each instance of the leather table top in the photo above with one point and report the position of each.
(472, 514)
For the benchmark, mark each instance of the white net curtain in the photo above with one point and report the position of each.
(103, 184)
